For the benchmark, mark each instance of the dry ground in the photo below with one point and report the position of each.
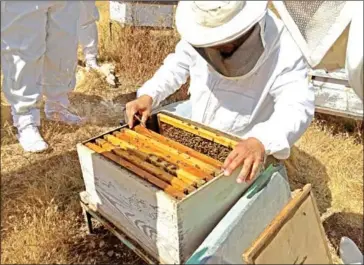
(41, 221)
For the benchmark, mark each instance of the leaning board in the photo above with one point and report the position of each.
(245, 220)
(295, 236)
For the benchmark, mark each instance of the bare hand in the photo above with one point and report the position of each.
(142, 106)
(249, 153)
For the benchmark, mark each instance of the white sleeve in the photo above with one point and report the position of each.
(354, 51)
(170, 76)
(294, 109)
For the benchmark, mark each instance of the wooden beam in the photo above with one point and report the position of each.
(105, 144)
(214, 137)
(321, 227)
(138, 171)
(180, 147)
(339, 113)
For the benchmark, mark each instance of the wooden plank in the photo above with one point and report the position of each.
(214, 137)
(267, 236)
(294, 236)
(321, 227)
(338, 113)
(157, 172)
(193, 123)
(169, 150)
(245, 221)
(339, 74)
(138, 171)
(182, 148)
(104, 144)
(184, 170)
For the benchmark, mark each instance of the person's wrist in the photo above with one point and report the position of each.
(260, 144)
(146, 98)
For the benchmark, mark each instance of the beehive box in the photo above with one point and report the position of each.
(170, 226)
(143, 13)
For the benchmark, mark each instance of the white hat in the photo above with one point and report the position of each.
(210, 23)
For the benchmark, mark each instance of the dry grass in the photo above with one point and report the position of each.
(41, 221)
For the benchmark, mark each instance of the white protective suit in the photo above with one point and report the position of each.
(34, 58)
(88, 36)
(38, 56)
(273, 103)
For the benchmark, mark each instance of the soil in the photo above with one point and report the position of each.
(204, 146)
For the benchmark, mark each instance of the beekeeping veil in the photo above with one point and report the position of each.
(208, 24)
(329, 34)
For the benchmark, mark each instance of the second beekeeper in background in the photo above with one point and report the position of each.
(38, 57)
(247, 78)
(88, 38)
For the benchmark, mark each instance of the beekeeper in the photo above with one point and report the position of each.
(247, 78)
(38, 56)
(88, 38)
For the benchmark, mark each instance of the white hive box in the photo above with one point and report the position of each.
(169, 229)
(143, 13)
(333, 94)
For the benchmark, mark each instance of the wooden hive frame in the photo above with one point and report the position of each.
(170, 166)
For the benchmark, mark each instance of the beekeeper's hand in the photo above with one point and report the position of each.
(141, 106)
(250, 154)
